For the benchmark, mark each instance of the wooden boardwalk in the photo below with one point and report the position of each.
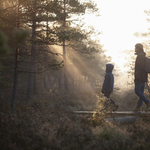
(119, 116)
(120, 113)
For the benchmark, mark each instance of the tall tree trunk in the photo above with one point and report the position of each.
(45, 80)
(60, 80)
(35, 77)
(64, 52)
(15, 81)
(32, 64)
(45, 74)
(65, 68)
(14, 90)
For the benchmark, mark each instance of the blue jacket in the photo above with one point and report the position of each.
(108, 83)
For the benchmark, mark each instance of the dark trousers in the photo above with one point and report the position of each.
(107, 94)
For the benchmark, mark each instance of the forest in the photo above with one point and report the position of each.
(51, 66)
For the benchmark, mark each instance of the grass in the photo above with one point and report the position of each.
(42, 124)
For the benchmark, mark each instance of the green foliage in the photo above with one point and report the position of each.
(4, 49)
(3, 38)
(97, 118)
(20, 35)
(77, 7)
(62, 35)
(76, 35)
(110, 132)
(57, 65)
(4, 84)
(101, 113)
(104, 103)
(46, 124)
(3, 43)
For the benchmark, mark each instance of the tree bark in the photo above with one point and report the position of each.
(15, 82)
(64, 52)
(14, 90)
(35, 76)
(45, 74)
(65, 68)
(32, 65)
(45, 80)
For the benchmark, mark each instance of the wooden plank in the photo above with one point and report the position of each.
(128, 119)
(83, 112)
(119, 120)
(142, 113)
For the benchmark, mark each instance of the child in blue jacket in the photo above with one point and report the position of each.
(108, 83)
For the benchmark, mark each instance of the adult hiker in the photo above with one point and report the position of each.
(140, 77)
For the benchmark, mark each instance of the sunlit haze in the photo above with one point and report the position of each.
(118, 21)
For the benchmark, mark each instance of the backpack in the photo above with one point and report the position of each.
(147, 64)
(147, 69)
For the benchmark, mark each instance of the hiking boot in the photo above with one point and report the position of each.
(148, 106)
(137, 109)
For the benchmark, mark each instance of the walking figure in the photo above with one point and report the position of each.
(140, 77)
(108, 85)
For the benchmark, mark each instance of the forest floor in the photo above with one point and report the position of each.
(44, 123)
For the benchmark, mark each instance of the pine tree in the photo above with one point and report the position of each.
(67, 12)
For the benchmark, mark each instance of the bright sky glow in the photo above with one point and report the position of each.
(118, 22)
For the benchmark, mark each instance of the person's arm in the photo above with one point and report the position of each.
(139, 66)
(140, 61)
(105, 83)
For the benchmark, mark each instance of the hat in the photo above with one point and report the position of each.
(139, 45)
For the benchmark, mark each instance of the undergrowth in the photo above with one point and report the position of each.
(44, 123)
